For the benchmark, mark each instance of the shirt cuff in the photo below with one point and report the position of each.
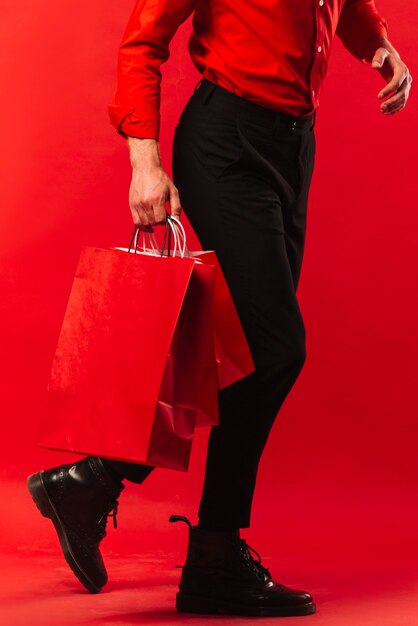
(370, 47)
(369, 33)
(127, 124)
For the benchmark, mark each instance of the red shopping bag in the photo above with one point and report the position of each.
(232, 352)
(228, 356)
(208, 411)
(126, 314)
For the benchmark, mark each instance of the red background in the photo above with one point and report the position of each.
(338, 480)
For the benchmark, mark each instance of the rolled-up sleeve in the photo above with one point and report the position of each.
(135, 108)
(359, 23)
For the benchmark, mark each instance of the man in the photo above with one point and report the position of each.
(243, 158)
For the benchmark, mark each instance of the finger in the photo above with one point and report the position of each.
(154, 207)
(397, 101)
(174, 200)
(135, 215)
(139, 216)
(394, 72)
(144, 222)
(159, 213)
(379, 58)
(392, 86)
(395, 104)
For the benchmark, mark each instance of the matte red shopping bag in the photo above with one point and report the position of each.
(123, 314)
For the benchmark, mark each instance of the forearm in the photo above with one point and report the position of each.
(361, 27)
(144, 154)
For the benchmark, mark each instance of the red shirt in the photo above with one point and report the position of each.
(273, 52)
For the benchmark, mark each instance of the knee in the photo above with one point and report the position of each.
(299, 356)
(298, 345)
(282, 351)
(291, 356)
(296, 356)
(284, 363)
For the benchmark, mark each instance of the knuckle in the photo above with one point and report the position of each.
(159, 213)
(143, 217)
(138, 202)
(148, 211)
(147, 201)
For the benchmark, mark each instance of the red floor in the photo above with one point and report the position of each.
(354, 583)
(38, 589)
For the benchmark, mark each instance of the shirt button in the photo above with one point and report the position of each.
(321, 3)
(319, 48)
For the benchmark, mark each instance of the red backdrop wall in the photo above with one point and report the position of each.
(340, 470)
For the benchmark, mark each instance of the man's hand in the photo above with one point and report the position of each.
(389, 64)
(150, 186)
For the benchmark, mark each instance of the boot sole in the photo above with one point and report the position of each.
(186, 603)
(40, 496)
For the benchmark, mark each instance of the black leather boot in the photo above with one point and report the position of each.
(221, 576)
(78, 498)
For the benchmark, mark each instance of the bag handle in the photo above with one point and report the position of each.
(152, 242)
(179, 235)
(173, 226)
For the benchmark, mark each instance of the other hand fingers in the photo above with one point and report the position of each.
(400, 73)
(398, 100)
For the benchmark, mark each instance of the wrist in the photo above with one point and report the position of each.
(374, 43)
(144, 153)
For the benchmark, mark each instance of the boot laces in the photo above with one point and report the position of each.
(251, 563)
(111, 511)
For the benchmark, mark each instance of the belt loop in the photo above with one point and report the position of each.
(313, 119)
(210, 89)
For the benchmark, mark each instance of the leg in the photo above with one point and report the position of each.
(134, 472)
(244, 193)
(239, 197)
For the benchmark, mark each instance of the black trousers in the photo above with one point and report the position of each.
(243, 172)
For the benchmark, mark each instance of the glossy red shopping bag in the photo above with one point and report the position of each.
(129, 319)
(232, 352)
(208, 410)
(228, 356)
